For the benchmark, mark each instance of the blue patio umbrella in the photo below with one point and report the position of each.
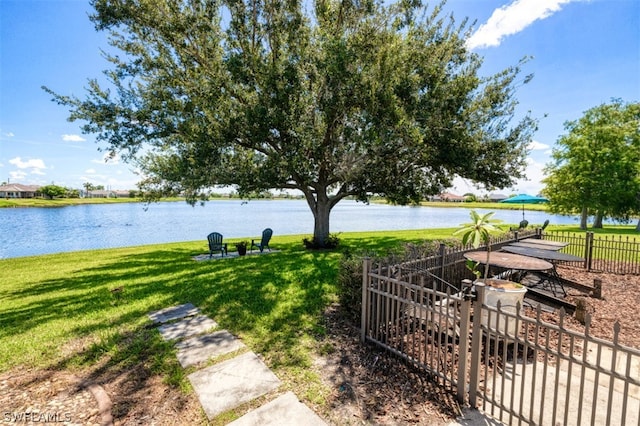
(525, 199)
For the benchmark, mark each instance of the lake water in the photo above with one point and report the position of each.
(34, 231)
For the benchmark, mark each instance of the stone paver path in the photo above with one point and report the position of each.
(199, 349)
(173, 313)
(284, 410)
(187, 327)
(224, 386)
(231, 383)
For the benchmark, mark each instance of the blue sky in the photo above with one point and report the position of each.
(584, 52)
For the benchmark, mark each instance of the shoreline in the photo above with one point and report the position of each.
(68, 202)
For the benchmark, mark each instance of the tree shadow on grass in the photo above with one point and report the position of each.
(270, 300)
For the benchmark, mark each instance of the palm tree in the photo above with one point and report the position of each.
(478, 231)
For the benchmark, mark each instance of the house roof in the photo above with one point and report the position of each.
(450, 196)
(497, 197)
(18, 187)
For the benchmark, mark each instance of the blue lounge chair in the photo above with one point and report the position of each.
(264, 242)
(215, 244)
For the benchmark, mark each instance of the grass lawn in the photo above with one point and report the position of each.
(58, 311)
(486, 205)
(62, 202)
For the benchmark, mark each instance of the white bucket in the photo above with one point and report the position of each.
(509, 297)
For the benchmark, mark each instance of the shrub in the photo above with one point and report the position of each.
(331, 242)
(350, 271)
(350, 285)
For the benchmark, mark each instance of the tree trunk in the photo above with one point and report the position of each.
(638, 226)
(320, 205)
(583, 218)
(597, 223)
(321, 223)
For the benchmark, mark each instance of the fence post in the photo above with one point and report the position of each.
(441, 253)
(463, 364)
(597, 288)
(476, 345)
(366, 268)
(588, 251)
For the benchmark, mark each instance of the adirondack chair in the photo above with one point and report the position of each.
(264, 242)
(523, 224)
(215, 244)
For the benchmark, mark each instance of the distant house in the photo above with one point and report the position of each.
(122, 193)
(100, 193)
(17, 190)
(496, 198)
(108, 193)
(447, 196)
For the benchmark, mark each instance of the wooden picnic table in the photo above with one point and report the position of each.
(544, 242)
(539, 253)
(536, 246)
(548, 255)
(509, 261)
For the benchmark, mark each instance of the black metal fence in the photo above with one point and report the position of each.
(616, 255)
(512, 365)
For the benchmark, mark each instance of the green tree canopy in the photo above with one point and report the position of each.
(331, 98)
(52, 191)
(88, 186)
(596, 165)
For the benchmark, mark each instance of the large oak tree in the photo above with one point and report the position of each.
(596, 165)
(331, 98)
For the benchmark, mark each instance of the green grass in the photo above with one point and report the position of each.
(486, 205)
(62, 202)
(57, 311)
(609, 231)
(270, 300)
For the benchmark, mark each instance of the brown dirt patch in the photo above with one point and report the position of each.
(36, 396)
(39, 396)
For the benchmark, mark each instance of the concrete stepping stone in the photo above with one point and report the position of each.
(282, 411)
(187, 327)
(231, 383)
(202, 348)
(173, 313)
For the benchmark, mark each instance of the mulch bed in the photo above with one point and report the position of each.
(371, 386)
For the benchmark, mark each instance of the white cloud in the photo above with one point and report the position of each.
(17, 175)
(9, 134)
(90, 171)
(532, 184)
(108, 160)
(537, 146)
(511, 19)
(34, 163)
(73, 138)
